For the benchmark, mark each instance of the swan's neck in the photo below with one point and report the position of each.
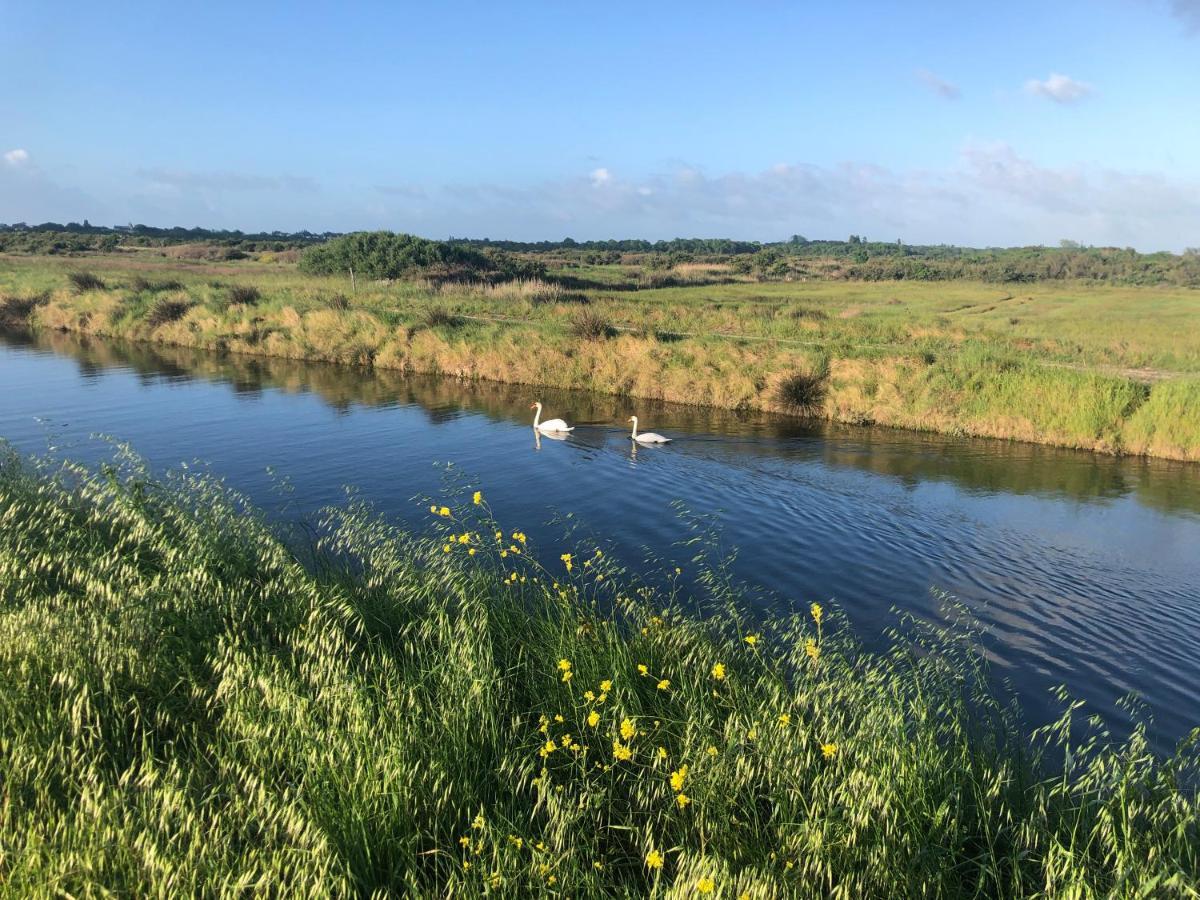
(635, 428)
(537, 415)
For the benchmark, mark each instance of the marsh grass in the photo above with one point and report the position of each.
(193, 706)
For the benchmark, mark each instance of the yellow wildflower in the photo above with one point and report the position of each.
(752, 734)
(751, 639)
(593, 718)
(643, 669)
(589, 696)
(817, 612)
(433, 509)
(654, 860)
(785, 719)
(628, 729)
(503, 554)
(683, 800)
(564, 665)
(471, 552)
(811, 648)
(444, 512)
(446, 549)
(705, 886)
(558, 718)
(718, 671)
(564, 741)
(662, 752)
(478, 823)
(517, 842)
(829, 750)
(464, 538)
(466, 864)
(664, 684)
(477, 497)
(677, 778)
(621, 751)
(567, 675)
(464, 841)
(712, 751)
(606, 685)
(566, 558)
(548, 748)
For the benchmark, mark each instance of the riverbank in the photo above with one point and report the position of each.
(1114, 370)
(189, 705)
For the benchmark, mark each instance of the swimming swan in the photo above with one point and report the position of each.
(549, 424)
(648, 437)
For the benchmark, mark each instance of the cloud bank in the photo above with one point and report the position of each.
(989, 195)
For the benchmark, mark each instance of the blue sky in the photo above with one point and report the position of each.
(939, 122)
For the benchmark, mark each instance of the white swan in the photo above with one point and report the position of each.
(647, 437)
(550, 425)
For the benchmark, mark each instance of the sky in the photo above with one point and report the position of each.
(981, 124)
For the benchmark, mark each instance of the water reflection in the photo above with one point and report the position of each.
(982, 465)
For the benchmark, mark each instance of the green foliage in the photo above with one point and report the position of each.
(382, 254)
(190, 708)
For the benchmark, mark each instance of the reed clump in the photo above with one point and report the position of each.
(191, 704)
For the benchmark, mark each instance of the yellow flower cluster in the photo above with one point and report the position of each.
(718, 671)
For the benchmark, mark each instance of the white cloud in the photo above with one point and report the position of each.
(600, 177)
(1059, 88)
(16, 157)
(939, 86)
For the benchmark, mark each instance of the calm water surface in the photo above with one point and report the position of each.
(1085, 569)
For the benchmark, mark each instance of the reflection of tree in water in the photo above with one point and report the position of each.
(986, 466)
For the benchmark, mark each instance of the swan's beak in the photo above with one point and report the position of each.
(533, 406)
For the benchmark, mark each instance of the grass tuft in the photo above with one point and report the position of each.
(244, 294)
(85, 281)
(591, 326)
(167, 310)
(439, 317)
(803, 393)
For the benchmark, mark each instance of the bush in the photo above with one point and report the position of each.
(340, 302)
(591, 326)
(86, 281)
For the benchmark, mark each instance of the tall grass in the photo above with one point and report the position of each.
(189, 707)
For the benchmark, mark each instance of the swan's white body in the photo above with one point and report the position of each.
(647, 437)
(550, 425)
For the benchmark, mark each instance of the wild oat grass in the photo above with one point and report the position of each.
(192, 705)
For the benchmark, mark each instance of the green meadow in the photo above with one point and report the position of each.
(1101, 366)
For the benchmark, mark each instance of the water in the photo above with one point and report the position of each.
(1084, 569)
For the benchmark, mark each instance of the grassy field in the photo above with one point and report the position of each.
(189, 706)
(1114, 369)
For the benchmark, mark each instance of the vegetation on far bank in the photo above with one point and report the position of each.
(855, 258)
(191, 706)
(1113, 369)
